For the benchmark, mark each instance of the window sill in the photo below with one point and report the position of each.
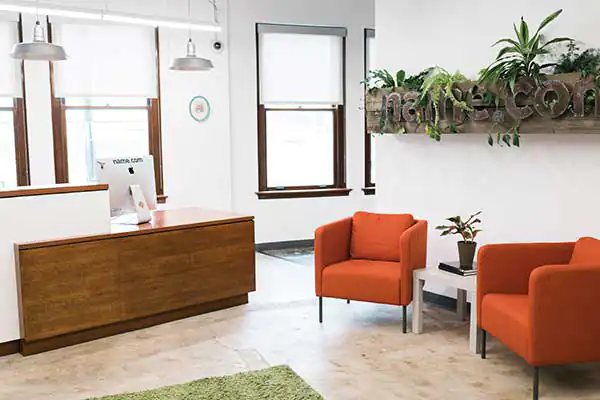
(296, 194)
(161, 198)
(369, 191)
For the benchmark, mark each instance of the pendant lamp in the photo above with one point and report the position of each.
(39, 49)
(191, 62)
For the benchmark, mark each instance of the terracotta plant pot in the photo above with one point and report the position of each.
(466, 254)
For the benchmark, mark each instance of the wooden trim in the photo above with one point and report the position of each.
(339, 147)
(295, 194)
(332, 108)
(155, 143)
(105, 107)
(59, 124)
(369, 184)
(20, 120)
(40, 346)
(262, 148)
(59, 140)
(162, 199)
(21, 143)
(154, 119)
(57, 189)
(8, 348)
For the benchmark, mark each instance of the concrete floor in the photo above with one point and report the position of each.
(358, 353)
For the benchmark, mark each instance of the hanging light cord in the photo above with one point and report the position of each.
(215, 15)
(215, 10)
(190, 18)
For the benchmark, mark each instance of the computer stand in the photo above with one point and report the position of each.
(142, 210)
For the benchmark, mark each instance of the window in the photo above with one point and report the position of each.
(369, 142)
(105, 98)
(301, 72)
(14, 164)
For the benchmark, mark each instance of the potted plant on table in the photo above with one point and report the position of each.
(468, 230)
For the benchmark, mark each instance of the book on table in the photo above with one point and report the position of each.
(455, 268)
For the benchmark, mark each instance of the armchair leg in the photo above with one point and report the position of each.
(483, 343)
(320, 310)
(347, 301)
(536, 383)
(403, 319)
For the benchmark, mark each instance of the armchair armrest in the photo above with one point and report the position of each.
(564, 327)
(413, 255)
(332, 245)
(505, 268)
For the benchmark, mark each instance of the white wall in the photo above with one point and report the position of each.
(293, 219)
(546, 190)
(196, 155)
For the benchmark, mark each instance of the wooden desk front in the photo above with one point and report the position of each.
(186, 262)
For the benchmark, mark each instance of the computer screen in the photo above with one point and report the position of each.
(122, 172)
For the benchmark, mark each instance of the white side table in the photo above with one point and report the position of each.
(464, 285)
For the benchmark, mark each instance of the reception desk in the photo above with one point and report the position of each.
(185, 262)
(42, 213)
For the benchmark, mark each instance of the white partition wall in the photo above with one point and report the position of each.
(43, 217)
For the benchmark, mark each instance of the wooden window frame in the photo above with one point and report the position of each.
(19, 112)
(369, 188)
(338, 188)
(59, 126)
(20, 137)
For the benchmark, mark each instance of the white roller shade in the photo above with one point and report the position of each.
(10, 73)
(301, 68)
(105, 60)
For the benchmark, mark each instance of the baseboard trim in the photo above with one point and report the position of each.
(8, 348)
(290, 244)
(43, 345)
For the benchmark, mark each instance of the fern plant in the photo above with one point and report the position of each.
(519, 59)
(574, 60)
(439, 80)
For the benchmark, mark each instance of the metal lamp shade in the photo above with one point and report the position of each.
(39, 49)
(191, 62)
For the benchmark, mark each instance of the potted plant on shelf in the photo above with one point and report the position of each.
(519, 59)
(468, 231)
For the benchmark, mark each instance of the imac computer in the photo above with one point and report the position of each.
(131, 187)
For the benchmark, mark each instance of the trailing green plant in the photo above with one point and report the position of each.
(466, 229)
(506, 138)
(438, 80)
(519, 59)
(574, 60)
(414, 82)
(381, 78)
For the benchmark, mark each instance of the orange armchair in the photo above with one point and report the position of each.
(537, 299)
(369, 257)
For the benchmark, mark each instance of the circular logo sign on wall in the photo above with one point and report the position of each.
(200, 108)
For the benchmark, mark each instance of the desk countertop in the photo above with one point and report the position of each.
(162, 220)
(25, 191)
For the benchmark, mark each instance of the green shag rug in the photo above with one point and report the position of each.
(277, 383)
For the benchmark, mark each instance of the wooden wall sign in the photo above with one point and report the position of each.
(562, 104)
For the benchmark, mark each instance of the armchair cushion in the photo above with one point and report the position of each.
(363, 280)
(506, 316)
(587, 251)
(377, 236)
